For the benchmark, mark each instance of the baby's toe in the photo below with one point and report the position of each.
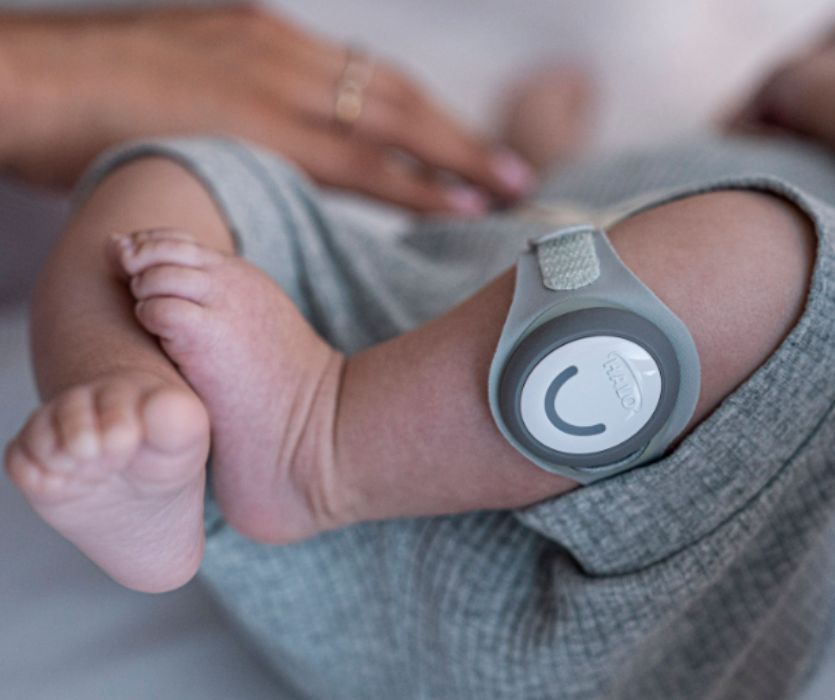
(76, 425)
(174, 420)
(169, 316)
(176, 431)
(120, 431)
(136, 252)
(40, 443)
(184, 327)
(28, 473)
(21, 468)
(171, 281)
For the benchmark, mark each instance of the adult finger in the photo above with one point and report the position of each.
(397, 113)
(352, 163)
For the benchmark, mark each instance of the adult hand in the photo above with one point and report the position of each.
(799, 96)
(74, 84)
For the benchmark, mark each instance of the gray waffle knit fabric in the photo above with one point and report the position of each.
(708, 574)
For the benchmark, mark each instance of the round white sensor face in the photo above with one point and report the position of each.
(590, 394)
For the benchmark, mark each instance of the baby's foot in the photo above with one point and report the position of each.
(117, 466)
(267, 380)
(548, 115)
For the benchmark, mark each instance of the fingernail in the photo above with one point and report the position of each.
(467, 201)
(513, 172)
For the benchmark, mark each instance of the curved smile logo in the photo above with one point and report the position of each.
(555, 418)
(624, 382)
(590, 395)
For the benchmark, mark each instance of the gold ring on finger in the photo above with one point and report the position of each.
(350, 87)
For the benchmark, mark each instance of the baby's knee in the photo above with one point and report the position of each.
(734, 265)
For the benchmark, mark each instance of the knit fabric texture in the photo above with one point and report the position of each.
(707, 574)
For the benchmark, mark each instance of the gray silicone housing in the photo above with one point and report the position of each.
(615, 303)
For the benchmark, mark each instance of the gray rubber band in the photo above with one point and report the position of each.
(591, 277)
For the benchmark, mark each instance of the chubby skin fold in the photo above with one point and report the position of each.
(149, 345)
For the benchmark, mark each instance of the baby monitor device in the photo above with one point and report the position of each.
(593, 375)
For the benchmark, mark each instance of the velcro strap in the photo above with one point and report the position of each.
(567, 258)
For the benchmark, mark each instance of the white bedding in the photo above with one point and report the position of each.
(66, 631)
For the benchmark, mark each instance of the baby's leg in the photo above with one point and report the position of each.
(115, 458)
(404, 428)
(734, 266)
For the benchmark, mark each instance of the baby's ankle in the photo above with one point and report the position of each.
(316, 467)
(362, 486)
(306, 490)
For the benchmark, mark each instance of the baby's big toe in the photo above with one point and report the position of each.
(176, 429)
(179, 323)
(174, 420)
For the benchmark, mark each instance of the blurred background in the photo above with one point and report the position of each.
(662, 69)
